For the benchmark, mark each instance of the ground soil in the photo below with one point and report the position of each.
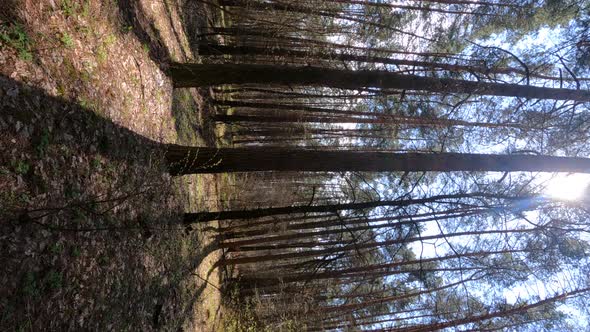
(90, 230)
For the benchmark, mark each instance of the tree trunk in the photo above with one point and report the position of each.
(495, 314)
(276, 279)
(256, 241)
(264, 212)
(369, 244)
(195, 75)
(218, 50)
(355, 306)
(193, 160)
(373, 118)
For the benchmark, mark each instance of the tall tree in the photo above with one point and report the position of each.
(195, 75)
(263, 212)
(191, 160)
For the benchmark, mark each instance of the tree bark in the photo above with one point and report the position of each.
(494, 314)
(263, 212)
(373, 118)
(193, 160)
(217, 50)
(268, 280)
(195, 75)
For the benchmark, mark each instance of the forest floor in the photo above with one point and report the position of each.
(89, 219)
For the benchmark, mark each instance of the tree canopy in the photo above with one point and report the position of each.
(406, 152)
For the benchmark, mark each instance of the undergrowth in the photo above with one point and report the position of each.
(15, 36)
(250, 314)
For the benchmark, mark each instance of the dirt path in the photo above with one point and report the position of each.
(89, 217)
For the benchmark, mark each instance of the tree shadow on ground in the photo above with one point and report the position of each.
(145, 31)
(194, 18)
(190, 107)
(91, 231)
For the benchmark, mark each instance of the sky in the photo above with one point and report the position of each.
(562, 186)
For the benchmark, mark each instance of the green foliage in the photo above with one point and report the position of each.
(95, 163)
(126, 29)
(43, 143)
(16, 37)
(244, 314)
(30, 286)
(24, 197)
(110, 40)
(56, 248)
(574, 248)
(72, 7)
(21, 167)
(101, 54)
(75, 252)
(86, 103)
(71, 191)
(241, 316)
(526, 19)
(67, 40)
(68, 7)
(102, 50)
(103, 260)
(85, 9)
(53, 280)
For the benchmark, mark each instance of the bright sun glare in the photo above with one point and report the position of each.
(570, 187)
